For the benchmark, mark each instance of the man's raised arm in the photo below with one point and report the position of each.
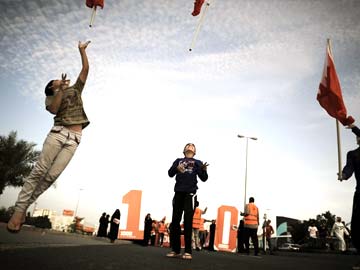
(84, 60)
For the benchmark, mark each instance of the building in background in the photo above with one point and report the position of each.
(284, 226)
(58, 222)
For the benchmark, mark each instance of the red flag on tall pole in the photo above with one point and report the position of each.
(329, 94)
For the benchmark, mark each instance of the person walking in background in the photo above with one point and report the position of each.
(263, 235)
(153, 232)
(61, 142)
(162, 230)
(147, 229)
(187, 170)
(347, 235)
(251, 224)
(106, 224)
(212, 230)
(202, 233)
(339, 230)
(241, 237)
(323, 235)
(196, 224)
(313, 234)
(114, 226)
(269, 230)
(103, 225)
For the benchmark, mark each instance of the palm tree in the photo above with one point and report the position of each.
(17, 158)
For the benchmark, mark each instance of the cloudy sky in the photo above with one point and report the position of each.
(254, 71)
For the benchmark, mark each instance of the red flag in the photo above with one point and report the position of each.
(197, 7)
(329, 94)
(92, 3)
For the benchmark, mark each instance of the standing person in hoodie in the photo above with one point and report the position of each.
(186, 170)
(353, 167)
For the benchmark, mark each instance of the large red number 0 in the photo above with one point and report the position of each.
(222, 224)
(133, 199)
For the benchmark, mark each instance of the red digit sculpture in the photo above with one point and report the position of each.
(219, 241)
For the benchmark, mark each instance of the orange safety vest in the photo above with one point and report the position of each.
(202, 225)
(196, 218)
(252, 217)
(162, 228)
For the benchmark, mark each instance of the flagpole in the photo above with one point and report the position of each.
(339, 147)
(207, 4)
(92, 16)
(337, 125)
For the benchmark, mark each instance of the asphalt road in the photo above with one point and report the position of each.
(36, 249)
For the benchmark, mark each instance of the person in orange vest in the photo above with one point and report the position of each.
(162, 230)
(251, 224)
(196, 224)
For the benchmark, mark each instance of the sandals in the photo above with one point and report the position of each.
(173, 254)
(13, 230)
(186, 256)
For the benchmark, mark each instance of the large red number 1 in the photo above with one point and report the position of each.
(222, 224)
(133, 199)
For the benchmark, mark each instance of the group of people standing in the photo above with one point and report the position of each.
(151, 227)
(156, 231)
(247, 230)
(114, 225)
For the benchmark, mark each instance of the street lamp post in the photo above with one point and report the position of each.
(77, 204)
(246, 161)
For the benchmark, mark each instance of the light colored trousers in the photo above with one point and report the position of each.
(58, 149)
(196, 238)
(342, 244)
